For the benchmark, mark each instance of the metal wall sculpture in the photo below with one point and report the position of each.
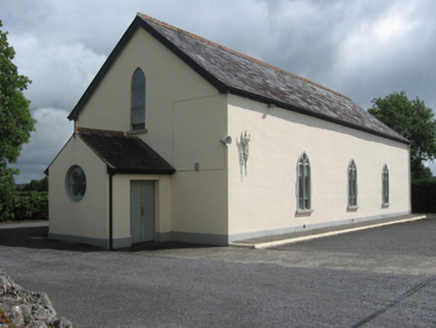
(243, 148)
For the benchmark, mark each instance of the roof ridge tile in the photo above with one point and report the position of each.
(90, 131)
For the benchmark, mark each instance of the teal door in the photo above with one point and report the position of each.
(142, 211)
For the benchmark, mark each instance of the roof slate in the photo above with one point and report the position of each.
(124, 154)
(253, 78)
(230, 71)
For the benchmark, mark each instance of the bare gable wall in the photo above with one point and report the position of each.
(168, 81)
(86, 220)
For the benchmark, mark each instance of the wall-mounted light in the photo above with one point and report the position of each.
(271, 106)
(227, 140)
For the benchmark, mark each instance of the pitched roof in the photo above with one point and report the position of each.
(124, 154)
(230, 71)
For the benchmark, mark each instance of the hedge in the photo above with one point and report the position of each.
(424, 196)
(29, 205)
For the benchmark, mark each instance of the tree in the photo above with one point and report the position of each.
(35, 185)
(414, 121)
(16, 123)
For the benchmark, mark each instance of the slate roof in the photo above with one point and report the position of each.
(230, 71)
(124, 154)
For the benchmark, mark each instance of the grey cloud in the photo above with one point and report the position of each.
(60, 74)
(52, 132)
(62, 44)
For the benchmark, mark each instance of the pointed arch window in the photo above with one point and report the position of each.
(385, 186)
(352, 185)
(303, 181)
(137, 114)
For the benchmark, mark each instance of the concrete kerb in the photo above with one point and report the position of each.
(279, 242)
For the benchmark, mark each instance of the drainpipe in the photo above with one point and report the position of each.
(111, 218)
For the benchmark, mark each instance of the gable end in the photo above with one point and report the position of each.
(140, 23)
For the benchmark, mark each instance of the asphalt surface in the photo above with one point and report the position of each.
(382, 277)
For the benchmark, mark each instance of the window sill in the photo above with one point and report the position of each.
(386, 204)
(133, 132)
(352, 208)
(301, 211)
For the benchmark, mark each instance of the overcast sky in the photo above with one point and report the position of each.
(360, 48)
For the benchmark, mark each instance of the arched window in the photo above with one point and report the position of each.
(138, 100)
(385, 185)
(352, 184)
(303, 179)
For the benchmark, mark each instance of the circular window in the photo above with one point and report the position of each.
(76, 183)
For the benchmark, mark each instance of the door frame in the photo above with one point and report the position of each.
(155, 210)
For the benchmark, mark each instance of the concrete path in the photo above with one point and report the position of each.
(295, 237)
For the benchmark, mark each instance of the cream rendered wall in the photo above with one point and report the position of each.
(185, 119)
(200, 193)
(199, 124)
(200, 203)
(264, 200)
(168, 81)
(88, 218)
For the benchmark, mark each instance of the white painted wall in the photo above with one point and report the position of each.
(264, 200)
(89, 217)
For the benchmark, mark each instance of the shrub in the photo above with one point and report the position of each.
(31, 205)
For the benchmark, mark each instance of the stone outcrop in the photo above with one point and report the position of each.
(24, 308)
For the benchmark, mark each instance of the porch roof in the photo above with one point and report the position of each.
(124, 154)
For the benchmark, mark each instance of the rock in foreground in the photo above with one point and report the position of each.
(27, 309)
